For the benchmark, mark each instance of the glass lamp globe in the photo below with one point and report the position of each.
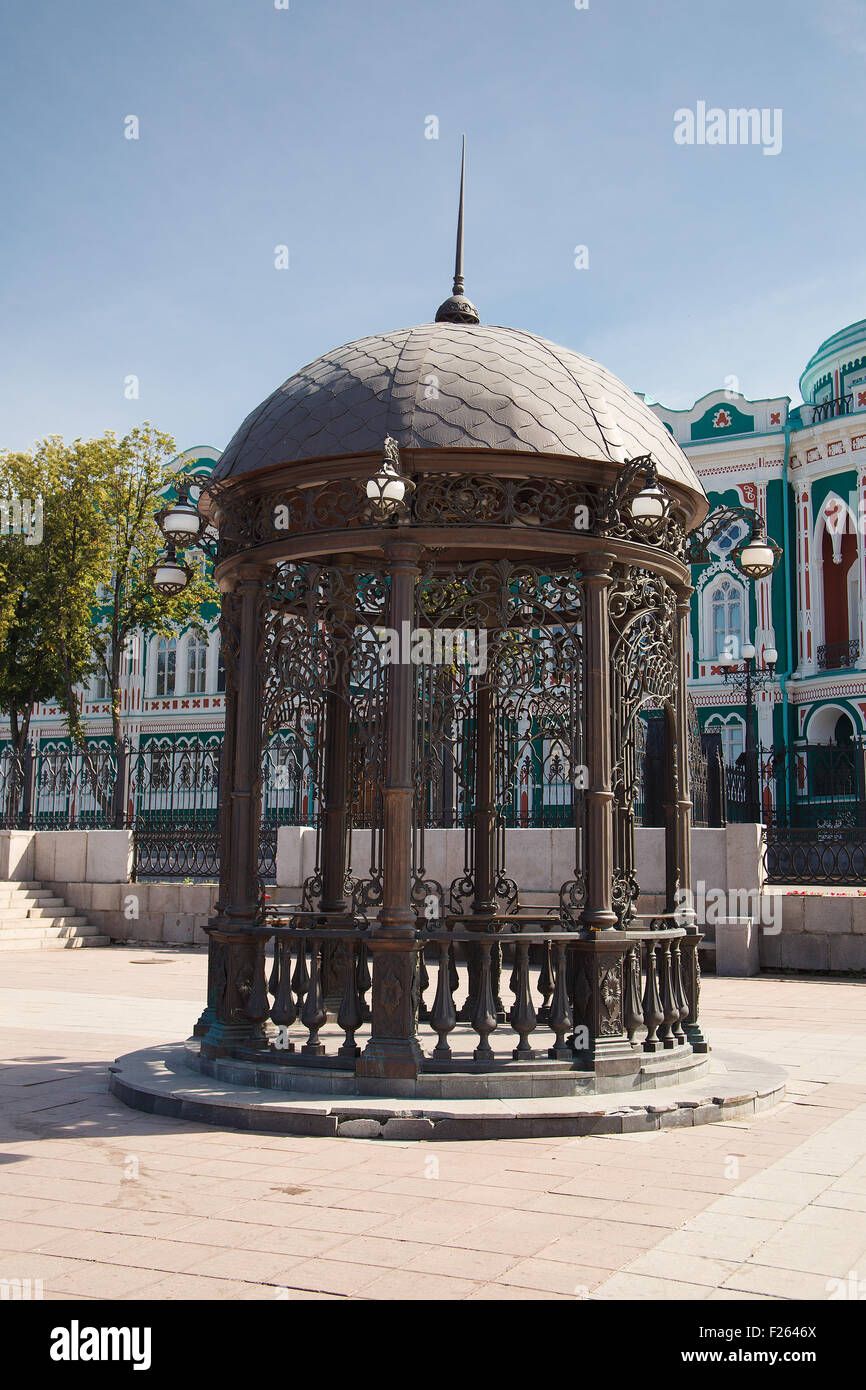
(757, 558)
(168, 575)
(650, 504)
(748, 651)
(182, 523)
(726, 659)
(387, 488)
(771, 656)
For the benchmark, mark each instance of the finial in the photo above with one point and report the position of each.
(458, 308)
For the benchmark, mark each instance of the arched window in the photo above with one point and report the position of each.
(733, 735)
(166, 660)
(840, 584)
(196, 664)
(726, 616)
(221, 670)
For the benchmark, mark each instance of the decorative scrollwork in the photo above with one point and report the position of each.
(439, 499)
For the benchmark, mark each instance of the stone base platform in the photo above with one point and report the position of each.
(162, 1081)
(462, 1079)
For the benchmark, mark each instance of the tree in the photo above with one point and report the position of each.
(136, 480)
(50, 564)
(71, 601)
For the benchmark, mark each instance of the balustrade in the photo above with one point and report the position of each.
(657, 965)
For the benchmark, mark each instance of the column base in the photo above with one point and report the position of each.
(695, 1038)
(222, 1039)
(205, 1022)
(385, 1058)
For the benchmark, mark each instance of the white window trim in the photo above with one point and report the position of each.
(156, 693)
(729, 575)
(722, 723)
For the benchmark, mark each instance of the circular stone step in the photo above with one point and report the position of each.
(161, 1081)
(502, 1079)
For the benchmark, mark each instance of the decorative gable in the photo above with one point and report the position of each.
(722, 419)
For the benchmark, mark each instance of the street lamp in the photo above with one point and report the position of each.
(180, 521)
(756, 556)
(168, 576)
(748, 678)
(652, 504)
(648, 509)
(388, 488)
(181, 525)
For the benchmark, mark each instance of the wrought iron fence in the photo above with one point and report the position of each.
(815, 855)
(831, 409)
(706, 774)
(59, 787)
(167, 793)
(833, 656)
(812, 801)
(172, 807)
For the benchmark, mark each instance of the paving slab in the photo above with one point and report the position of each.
(102, 1201)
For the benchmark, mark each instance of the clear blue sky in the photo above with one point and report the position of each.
(261, 126)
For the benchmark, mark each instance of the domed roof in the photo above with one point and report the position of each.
(454, 386)
(848, 343)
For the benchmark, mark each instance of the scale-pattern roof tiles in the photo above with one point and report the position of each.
(454, 386)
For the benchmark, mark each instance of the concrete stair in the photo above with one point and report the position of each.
(33, 919)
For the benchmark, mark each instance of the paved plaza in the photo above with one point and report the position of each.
(98, 1201)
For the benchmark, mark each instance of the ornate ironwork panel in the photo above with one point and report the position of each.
(643, 670)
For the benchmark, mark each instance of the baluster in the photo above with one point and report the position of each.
(423, 983)
(679, 993)
(670, 1008)
(284, 1012)
(444, 1015)
(653, 1016)
(484, 1012)
(365, 979)
(545, 983)
(633, 1012)
(301, 978)
(351, 1014)
(313, 1014)
(523, 1019)
(561, 1018)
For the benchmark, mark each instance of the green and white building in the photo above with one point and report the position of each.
(804, 470)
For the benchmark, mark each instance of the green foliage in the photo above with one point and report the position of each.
(70, 603)
(47, 577)
(137, 479)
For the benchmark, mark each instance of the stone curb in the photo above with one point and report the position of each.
(135, 1081)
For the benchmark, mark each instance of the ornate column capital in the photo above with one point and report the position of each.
(402, 553)
(597, 567)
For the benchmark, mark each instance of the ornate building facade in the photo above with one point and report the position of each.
(804, 469)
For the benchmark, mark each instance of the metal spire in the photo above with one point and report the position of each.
(459, 285)
(458, 308)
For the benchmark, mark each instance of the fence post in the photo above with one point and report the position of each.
(28, 764)
(121, 781)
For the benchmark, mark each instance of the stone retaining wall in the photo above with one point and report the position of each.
(820, 929)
